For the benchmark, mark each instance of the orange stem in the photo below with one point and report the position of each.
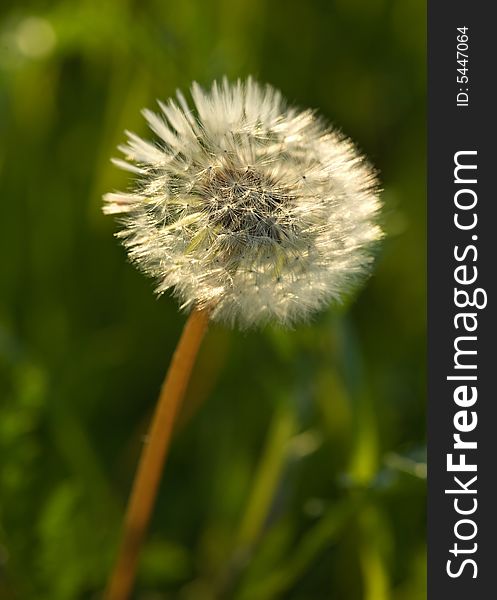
(148, 475)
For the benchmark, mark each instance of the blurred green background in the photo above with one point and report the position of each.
(297, 469)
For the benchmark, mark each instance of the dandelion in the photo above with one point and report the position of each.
(253, 208)
(249, 211)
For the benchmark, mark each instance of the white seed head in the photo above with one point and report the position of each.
(249, 206)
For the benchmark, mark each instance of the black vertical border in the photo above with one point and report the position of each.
(450, 129)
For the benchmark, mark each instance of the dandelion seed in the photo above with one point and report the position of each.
(249, 210)
(249, 206)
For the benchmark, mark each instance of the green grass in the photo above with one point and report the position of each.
(297, 468)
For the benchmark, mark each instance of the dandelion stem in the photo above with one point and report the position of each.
(153, 456)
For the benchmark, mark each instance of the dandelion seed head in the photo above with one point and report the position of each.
(251, 207)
